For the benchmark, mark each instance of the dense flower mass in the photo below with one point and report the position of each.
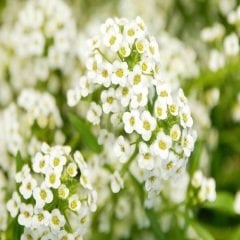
(44, 30)
(54, 197)
(41, 41)
(21, 123)
(119, 130)
(128, 89)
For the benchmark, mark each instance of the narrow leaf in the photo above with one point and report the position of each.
(201, 231)
(86, 136)
(20, 161)
(223, 203)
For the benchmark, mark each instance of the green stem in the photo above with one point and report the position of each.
(132, 157)
(103, 55)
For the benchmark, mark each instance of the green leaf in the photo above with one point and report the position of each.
(236, 234)
(154, 224)
(85, 133)
(195, 158)
(201, 231)
(223, 203)
(20, 161)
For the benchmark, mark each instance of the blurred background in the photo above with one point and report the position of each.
(199, 48)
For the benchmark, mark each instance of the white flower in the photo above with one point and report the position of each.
(82, 220)
(55, 58)
(130, 32)
(92, 200)
(153, 181)
(74, 203)
(168, 166)
(141, 26)
(85, 179)
(42, 196)
(185, 117)
(162, 145)
(40, 218)
(57, 220)
(113, 39)
(181, 99)
(78, 158)
(120, 73)
(61, 41)
(23, 174)
(145, 157)
(124, 94)
(175, 132)
(63, 191)
(85, 86)
(73, 97)
(104, 74)
(160, 109)
(213, 33)
(37, 43)
(146, 65)
(131, 120)
(52, 179)
(25, 216)
(153, 49)
(141, 45)
(236, 204)
(122, 149)
(94, 113)
(187, 143)
(93, 63)
(64, 235)
(148, 124)
(216, 60)
(173, 108)
(72, 169)
(197, 179)
(139, 98)
(109, 102)
(136, 78)
(13, 204)
(123, 208)
(116, 182)
(231, 45)
(29, 234)
(163, 91)
(27, 186)
(124, 49)
(207, 191)
(57, 161)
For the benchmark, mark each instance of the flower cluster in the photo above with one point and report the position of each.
(45, 29)
(40, 107)
(20, 123)
(204, 188)
(229, 44)
(178, 62)
(11, 138)
(42, 39)
(55, 197)
(128, 90)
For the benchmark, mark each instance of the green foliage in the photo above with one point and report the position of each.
(201, 231)
(223, 203)
(86, 136)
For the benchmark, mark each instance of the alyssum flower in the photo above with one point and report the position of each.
(51, 198)
(124, 79)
